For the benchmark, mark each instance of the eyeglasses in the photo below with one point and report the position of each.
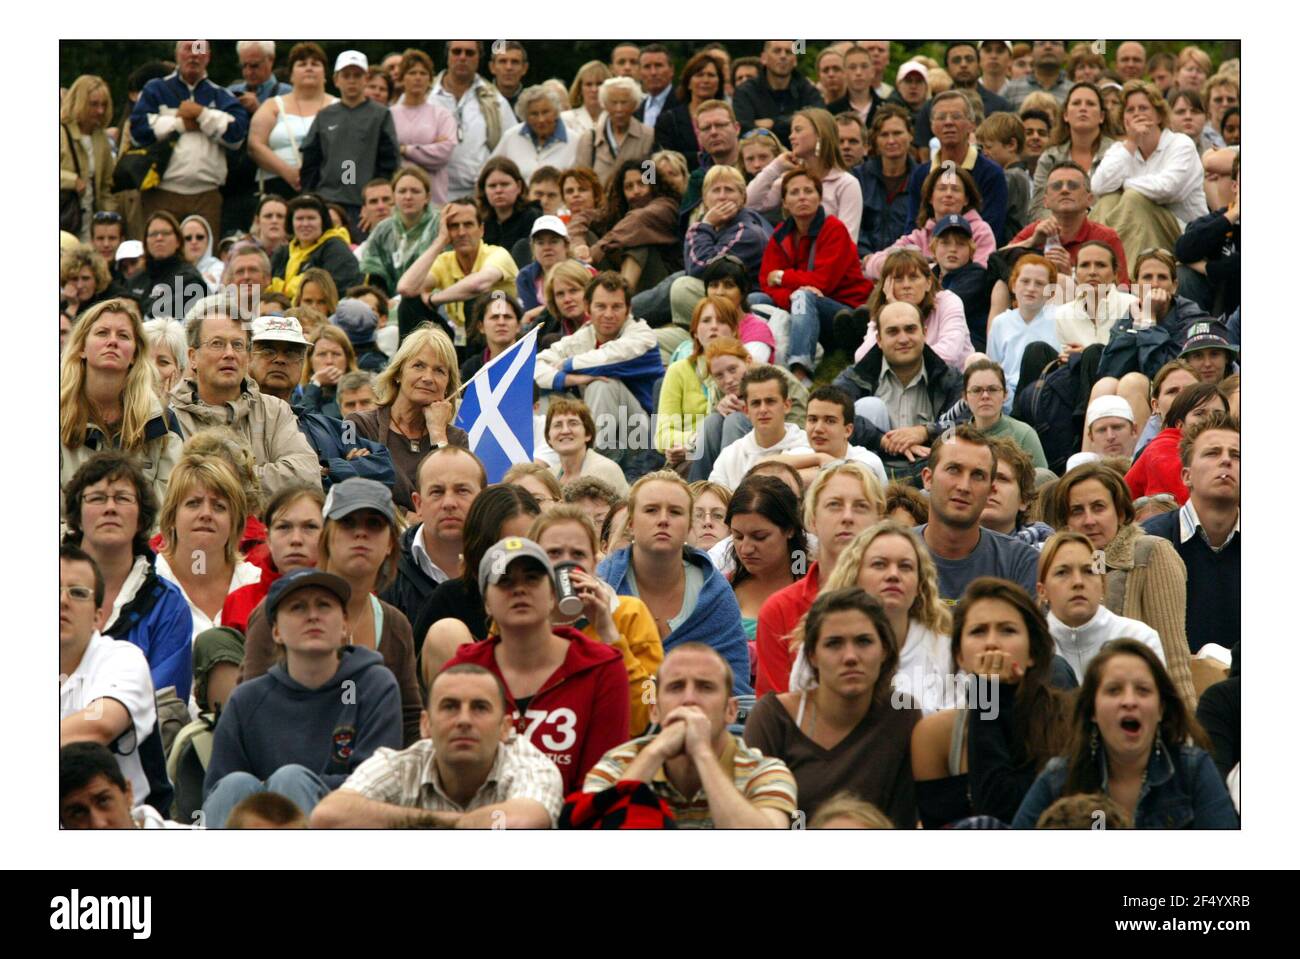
(99, 499)
(1153, 251)
(218, 345)
(1056, 186)
(82, 594)
(717, 515)
(156, 234)
(106, 216)
(984, 391)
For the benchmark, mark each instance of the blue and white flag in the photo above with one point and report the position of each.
(497, 409)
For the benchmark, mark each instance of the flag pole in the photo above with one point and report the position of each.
(486, 366)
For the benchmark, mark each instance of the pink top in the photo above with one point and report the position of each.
(985, 245)
(429, 133)
(841, 194)
(946, 331)
(754, 330)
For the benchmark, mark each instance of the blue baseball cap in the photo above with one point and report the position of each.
(953, 221)
(300, 578)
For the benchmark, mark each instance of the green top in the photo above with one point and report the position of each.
(1023, 435)
(391, 248)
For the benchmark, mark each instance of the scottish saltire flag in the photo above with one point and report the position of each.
(496, 409)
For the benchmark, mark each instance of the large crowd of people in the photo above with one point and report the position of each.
(885, 465)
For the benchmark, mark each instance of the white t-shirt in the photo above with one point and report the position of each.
(860, 454)
(117, 670)
(735, 461)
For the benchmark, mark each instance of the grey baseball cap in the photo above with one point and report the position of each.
(357, 493)
(497, 560)
(356, 319)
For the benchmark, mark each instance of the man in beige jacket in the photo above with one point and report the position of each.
(219, 393)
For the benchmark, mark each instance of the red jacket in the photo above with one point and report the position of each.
(826, 258)
(1159, 469)
(240, 604)
(777, 618)
(579, 714)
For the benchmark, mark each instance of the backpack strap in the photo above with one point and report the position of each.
(491, 110)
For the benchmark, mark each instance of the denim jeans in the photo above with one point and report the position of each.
(296, 783)
(810, 321)
(716, 433)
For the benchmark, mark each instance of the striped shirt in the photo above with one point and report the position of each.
(409, 777)
(764, 781)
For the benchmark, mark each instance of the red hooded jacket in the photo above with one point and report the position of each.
(1159, 469)
(240, 604)
(580, 712)
(827, 258)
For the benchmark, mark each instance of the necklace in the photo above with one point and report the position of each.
(413, 443)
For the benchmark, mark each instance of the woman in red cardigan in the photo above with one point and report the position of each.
(811, 268)
(1160, 467)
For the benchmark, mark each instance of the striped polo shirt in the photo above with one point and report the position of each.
(764, 781)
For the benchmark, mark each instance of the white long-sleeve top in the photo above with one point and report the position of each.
(1171, 176)
(1078, 646)
(633, 339)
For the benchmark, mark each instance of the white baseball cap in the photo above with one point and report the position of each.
(129, 250)
(351, 58)
(283, 328)
(913, 66)
(1078, 459)
(551, 224)
(1104, 406)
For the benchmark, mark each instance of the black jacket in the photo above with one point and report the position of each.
(1217, 241)
(943, 382)
(842, 105)
(674, 130)
(755, 100)
(332, 256)
(974, 285)
(167, 287)
(1146, 351)
(412, 588)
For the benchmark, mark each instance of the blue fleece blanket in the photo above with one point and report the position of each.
(714, 622)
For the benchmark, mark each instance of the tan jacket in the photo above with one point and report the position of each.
(594, 151)
(283, 455)
(1146, 580)
(104, 163)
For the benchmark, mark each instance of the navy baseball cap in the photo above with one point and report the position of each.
(1208, 336)
(300, 578)
(953, 221)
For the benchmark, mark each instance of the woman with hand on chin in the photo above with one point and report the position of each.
(815, 149)
(983, 765)
(1070, 587)
(417, 403)
(844, 731)
(1134, 740)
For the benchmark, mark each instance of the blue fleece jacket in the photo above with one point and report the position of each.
(275, 721)
(526, 286)
(171, 91)
(326, 436)
(745, 237)
(157, 619)
(714, 622)
(637, 374)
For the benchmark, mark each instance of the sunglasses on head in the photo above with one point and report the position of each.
(758, 132)
(106, 216)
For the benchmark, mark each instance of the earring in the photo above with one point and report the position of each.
(1093, 741)
(817, 150)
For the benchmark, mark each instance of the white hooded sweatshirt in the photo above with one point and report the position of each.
(1078, 646)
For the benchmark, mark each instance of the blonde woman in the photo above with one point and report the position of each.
(202, 520)
(317, 290)
(223, 443)
(584, 98)
(85, 155)
(814, 147)
(108, 395)
(417, 403)
(890, 562)
(168, 352)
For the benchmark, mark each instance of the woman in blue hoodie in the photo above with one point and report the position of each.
(688, 598)
(301, 729)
